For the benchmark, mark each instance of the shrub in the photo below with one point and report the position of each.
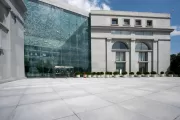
(162, 72)
(102, 73)
(110, 73)
(146, 73)
(107, 73)
(131, 73)
(170, 72)
(88, 73)
(153, 73)
(138, 73)
(115, 73)
(124, 73)
(93, 73)
(77, 73)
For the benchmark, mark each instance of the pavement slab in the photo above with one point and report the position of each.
(91, 99)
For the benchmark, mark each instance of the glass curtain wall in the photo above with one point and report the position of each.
(55, 37)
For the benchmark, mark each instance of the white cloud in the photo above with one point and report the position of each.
(89, 4)
(176, 31)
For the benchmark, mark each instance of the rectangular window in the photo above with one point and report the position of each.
(149, 23)
(115, 32)
(148, 33)
(143, 67)
(125, 32)
(138, 23)
(139, 33)
(143, 56)
(126, 22)
(120, 66)
(114, 21)
(120, 56)
(120, 32)
(144, 33)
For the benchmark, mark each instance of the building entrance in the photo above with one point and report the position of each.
(63, 71)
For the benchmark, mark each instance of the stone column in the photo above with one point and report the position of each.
(111, 66)
(133, 60)
(127, 61)
(154, 58)
(149, 61)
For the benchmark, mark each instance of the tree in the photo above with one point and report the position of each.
(175, 63)
(27, 64)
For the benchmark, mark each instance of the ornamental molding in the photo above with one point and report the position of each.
(133, 28)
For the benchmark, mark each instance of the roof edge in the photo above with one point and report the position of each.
(130, 13)
(66, 7)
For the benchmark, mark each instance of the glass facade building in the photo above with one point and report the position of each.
(55, 37)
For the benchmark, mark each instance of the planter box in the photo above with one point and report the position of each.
(116, 76)
(78, 76)
(153, 75)
(89, 76)
(94, 76)
(102, 76)
(98, 76)
(162, 75)
(125, 76)
(138, 75)
(107, 76)
(131, 76)
(170, 75)
(147, 75)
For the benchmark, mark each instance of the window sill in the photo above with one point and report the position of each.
(123, 50)
(149, 26)
(120, 61)
(127, 25)
(143, 61)
(143, 50)
(138, 26)
(114, 25)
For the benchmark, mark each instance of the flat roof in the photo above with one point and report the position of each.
(130, 13)
(60, 4)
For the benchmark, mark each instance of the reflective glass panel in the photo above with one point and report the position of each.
(55, 37)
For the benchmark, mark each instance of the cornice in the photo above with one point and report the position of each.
(133, 28)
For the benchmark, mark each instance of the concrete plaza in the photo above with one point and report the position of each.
(91, 99)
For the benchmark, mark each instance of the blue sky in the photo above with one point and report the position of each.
(159, 6)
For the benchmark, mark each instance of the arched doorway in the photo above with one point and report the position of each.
(120, 48)
(142, 49)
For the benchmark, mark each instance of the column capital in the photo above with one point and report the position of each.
(133, 39)
(109, 39)
(155, 40)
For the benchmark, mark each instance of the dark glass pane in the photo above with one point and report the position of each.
(119, 45)
(143, 67)
(115, 21)
(120, 66)
(141, 46)
(120, 56)
(143, 56)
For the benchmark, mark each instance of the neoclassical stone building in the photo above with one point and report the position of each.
(11, 40)
(130, 41)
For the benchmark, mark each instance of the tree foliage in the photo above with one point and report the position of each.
(175, 63)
